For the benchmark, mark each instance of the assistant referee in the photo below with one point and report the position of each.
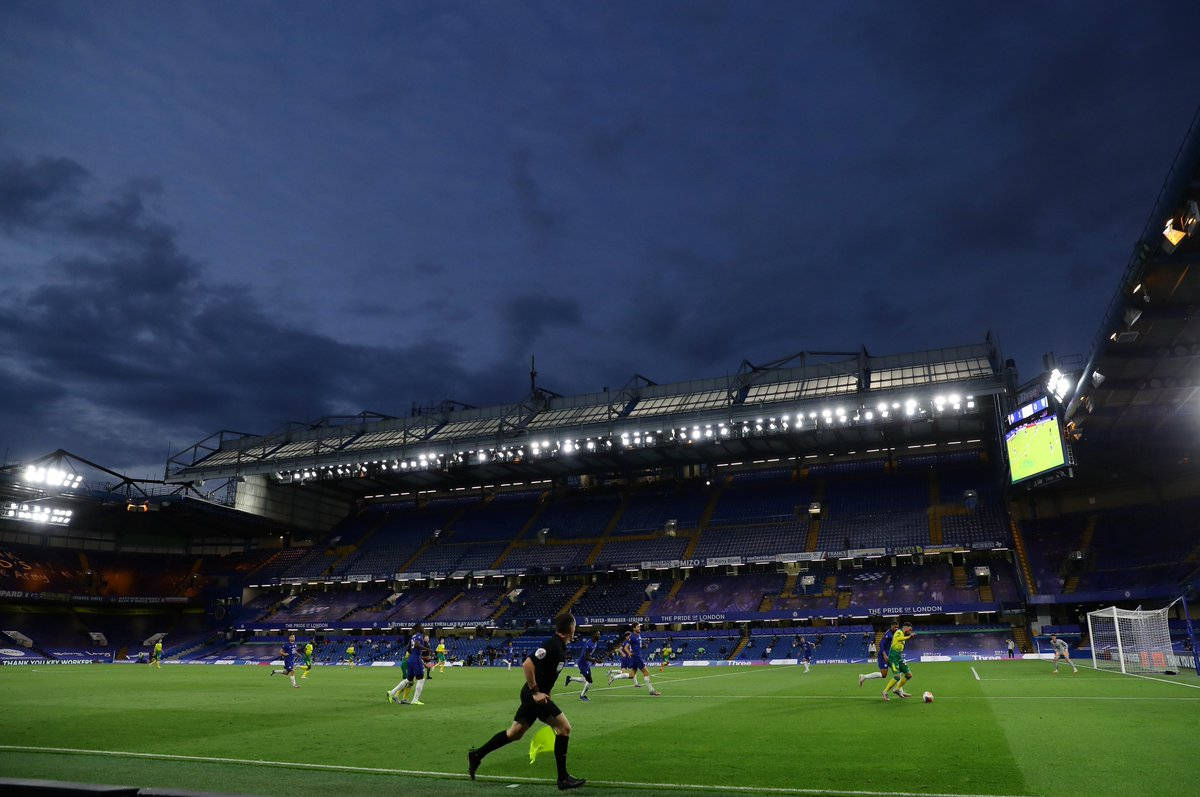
(541, 670)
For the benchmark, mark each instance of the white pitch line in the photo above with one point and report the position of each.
(975, 673)
(943, 697)
(1148, 678)
(14, 748)
(741, 671)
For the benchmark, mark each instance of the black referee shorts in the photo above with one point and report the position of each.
(530, 710)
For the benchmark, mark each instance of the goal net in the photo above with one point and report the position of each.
(1131, 641)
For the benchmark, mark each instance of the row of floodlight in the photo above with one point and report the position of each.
(910, 408)
(36, 513)
(40, 476)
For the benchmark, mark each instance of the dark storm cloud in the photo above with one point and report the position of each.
(130, 345)
(530, 200)
(530, 316)
(29, 192)
(362, 210)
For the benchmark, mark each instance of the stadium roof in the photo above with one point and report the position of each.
(1138, 391)
(850, 400)
(43, 497)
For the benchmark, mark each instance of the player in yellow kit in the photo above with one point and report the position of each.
(156, 656)
(441, 654)
(307, 659)
(350, 654)
(897, 666)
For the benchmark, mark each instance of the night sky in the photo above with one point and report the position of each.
(234, 215)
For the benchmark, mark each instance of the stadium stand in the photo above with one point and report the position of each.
(573, 517)
(650, 508)
(539, 604)
(618, 598)
(718, 593)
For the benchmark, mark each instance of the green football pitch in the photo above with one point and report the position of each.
(995, 728)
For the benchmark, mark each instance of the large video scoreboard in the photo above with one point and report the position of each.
(1034, 441)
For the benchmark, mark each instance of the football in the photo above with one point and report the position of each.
(928, 697)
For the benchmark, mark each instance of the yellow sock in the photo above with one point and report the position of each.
(891, 683)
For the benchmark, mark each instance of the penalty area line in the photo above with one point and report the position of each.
(1148, 678)
(15, 748)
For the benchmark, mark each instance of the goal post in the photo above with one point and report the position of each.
(1134, 641)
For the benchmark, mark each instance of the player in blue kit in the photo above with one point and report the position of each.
(806, 652)
(584, 663)
(633, 645)
(626, 659)
(881, 656)
(417, 647)
(288, 651)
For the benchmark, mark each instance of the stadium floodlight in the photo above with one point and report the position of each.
(51, 477)
(826, 413)
(870, 415)
(1131, 316)
(1059, 384)
(1178, 228)
(36, 513)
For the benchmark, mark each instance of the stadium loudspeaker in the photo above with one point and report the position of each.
(1097, 379)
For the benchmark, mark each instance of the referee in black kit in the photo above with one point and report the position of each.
(541, 670)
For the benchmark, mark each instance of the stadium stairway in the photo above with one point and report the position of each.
(347, 550)
(711, 506)
(789, 586)
(180, 654)
(1022, 555)
(960, 577)
(543, 502)
(578, 594)
(600, 543)
(1085, 545)
(1021, 635)
(737, 651)
(843, 600)
(936, 536)
(985, 594)
(446, 605)
(693, 541)
(814, 521)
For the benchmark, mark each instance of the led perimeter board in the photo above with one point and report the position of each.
(1034, 442)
